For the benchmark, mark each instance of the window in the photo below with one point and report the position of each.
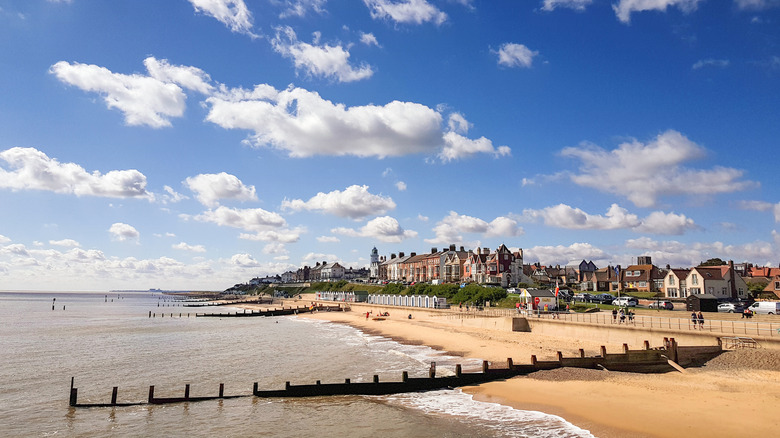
(777, 285)
(641, 284)
(671, 280)
(694, 279)
(671, 292)
(741, 292)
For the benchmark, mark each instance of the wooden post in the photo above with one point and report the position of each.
(647, 345)
(603, 351)
(73, 393)
(457, 370)
(533, 359)
(405, 376)
(485, 366)
(286, 385)
(187, 391)
(151, 394)
(582, 352)
(221, 390)
(625, 348)
(113, 395)
(509, 363)
(432, 370)
(376, 378)
(347, 381)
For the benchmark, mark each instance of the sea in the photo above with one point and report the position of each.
(107, 339)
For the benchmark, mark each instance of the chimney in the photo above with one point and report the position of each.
(434, 249)
(318, 263)
(485, 250)
(400, 254)
(392, 256)
(478, 250)
(412, 254)
(452, 247)
(462, 249)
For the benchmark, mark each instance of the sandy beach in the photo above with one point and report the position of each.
(736, 394)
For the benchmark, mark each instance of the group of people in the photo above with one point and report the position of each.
(747, 313)
(622, 314)
(697, 318)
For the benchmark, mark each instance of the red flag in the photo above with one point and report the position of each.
(557, 289)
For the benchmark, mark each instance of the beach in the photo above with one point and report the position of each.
(735, 394)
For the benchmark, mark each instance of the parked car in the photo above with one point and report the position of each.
(730, 308)
(625, 301)
(583, 297)
(766, 307)
(661, 304)
(602, 298)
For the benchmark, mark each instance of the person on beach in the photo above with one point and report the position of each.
(631, 316)
(694, 319)
(614, 315)
(700, 317)
(622, 316)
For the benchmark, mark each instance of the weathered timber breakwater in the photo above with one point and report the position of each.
(277, 312)
(663, 359)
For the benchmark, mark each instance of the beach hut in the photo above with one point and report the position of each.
(536, 299)
(701, 303)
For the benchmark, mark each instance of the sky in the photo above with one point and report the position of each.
(196, 144)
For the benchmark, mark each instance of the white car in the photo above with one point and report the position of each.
(625, 302)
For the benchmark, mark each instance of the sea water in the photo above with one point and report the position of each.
(108, 339)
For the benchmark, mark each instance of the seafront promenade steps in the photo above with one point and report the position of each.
(600, 326)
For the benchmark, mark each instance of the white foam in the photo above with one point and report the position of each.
(503, 419)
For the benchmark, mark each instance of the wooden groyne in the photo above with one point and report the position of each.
(277, 311)
(663, 359)
(230, 303)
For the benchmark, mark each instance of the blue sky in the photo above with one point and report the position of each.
(199, 143)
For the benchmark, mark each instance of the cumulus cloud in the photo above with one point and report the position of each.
(186, 247)
(354, 202)
(384, 228)
(516, 55)
(144, 100)
(560, 254)
(304, 124)
(579, 5)
(328, 239)
(251, 219)
(564, 216)
(401, 186)
(4, 239)
(369, 39)
(624, 8)
(327, 61)
(678, 253)
(31, 169)
(281, 235)
(170, 196)
(244, 260)
(722, 63)
(123, 232)
(449, 230)
(68, 243)
(275, 248)
(210, 188)
(406, 11)
(232, 13)
(644, 172)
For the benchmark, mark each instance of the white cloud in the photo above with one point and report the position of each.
(123, 232)
(516, 55)
(299, 8)
(757, 4)
(275, 248)
(449, 230)
(384, 228)
(142, 99)
(232, 13)
(579, 5)
(644, 172)
(191, 78)
(304, 124)
(244, 261)
(401, 186)
(4, 239)
(722, 63)
(320, 257)
(325, 61)
(281, 235)
(559, 254)
(624, 8)
(422, 218)
(253, 219)
(186, 247)
(564, 216)
(691, 254)
(171, 196)
(328, 239)
(406, 11)
(68, 243)
(34, 170)
(354, 202)
(210, 188)
(369, 39)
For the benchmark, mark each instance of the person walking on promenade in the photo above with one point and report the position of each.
(614, 316)
(622, 316)
(694, 319)
(700, 317)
